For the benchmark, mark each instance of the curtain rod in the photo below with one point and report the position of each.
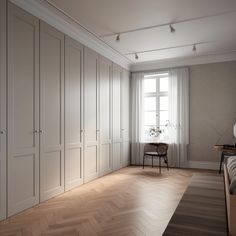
(159, 70)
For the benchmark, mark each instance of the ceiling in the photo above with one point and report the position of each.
(209, 24)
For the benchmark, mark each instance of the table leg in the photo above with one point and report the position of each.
(221, 161)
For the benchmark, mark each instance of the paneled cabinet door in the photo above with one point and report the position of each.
(51, 112)
(3, 109)
(23, 110)
(125, 103)
(73, 114)
(105, 102)
(116, 114)
(91, 122)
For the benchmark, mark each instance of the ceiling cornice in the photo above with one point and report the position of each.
(178, 62)
(52, 16)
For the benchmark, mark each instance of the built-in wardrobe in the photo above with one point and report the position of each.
(3, 127)
(64, 112)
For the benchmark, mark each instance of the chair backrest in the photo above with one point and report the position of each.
(160, 148)
(148, 147)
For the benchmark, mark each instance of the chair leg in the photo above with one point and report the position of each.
(167, 163)
(152, 161)
(143, 161)
(160, 165)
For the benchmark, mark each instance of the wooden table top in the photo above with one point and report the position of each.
(225, 148)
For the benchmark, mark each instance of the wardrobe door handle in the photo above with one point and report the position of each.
(3, 132)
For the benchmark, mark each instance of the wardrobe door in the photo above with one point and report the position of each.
(91, 162)
(51, 112)
(3, 109)
(117, 136)
(23, 110)
(105, 102)
(125, 102)
(73, 114)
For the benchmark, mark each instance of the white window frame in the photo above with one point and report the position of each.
(157, 95)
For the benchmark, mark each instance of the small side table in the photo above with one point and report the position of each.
(226, 151)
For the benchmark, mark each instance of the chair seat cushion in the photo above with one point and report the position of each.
(154, 154)
(151, 153)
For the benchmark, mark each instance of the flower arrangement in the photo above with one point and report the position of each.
(155, 131)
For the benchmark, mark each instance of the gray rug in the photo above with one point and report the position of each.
(201, 210)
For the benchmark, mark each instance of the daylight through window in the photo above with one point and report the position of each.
(156, 106)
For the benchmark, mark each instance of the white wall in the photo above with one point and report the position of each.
(212, 109)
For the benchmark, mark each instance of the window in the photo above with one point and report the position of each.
(156, 105)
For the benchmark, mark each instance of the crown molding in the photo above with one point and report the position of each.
(178, 62)
(63, 23)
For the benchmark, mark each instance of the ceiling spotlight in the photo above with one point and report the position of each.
(136, 56)
(118, 38)
(194, 48)
(172, 29)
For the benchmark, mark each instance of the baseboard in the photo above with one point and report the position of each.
(204, 165)
(208, 165)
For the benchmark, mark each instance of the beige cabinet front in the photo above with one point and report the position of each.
(116, 114)
(51, 112)
(105, 104)
(3, 109)
(73, 114)
(125, 111)
(91, 132)
(23, 110)
(64, 112)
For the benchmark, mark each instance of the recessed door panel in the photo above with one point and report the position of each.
(27, 189)
(105, 102)
(117, 162)
(51, 112)
(116, 104)
(91, 122)
(73, 114)
(3, 109)
(23, 110)
(52, 89)
(116, 114)
(73, 167)
(91, 165)
(90, 93)
(125, 153)
(53, 176)
(105, 158)
(23, 85)
(125, 105)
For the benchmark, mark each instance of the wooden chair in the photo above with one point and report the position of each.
(156, 150)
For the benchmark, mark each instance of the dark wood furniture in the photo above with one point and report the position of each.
(158, 150)
(201, 210)
(230, 204)
(227, 150)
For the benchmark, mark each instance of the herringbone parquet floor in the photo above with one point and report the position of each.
(128, 202)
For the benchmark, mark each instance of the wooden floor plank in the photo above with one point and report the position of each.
(131, 201)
